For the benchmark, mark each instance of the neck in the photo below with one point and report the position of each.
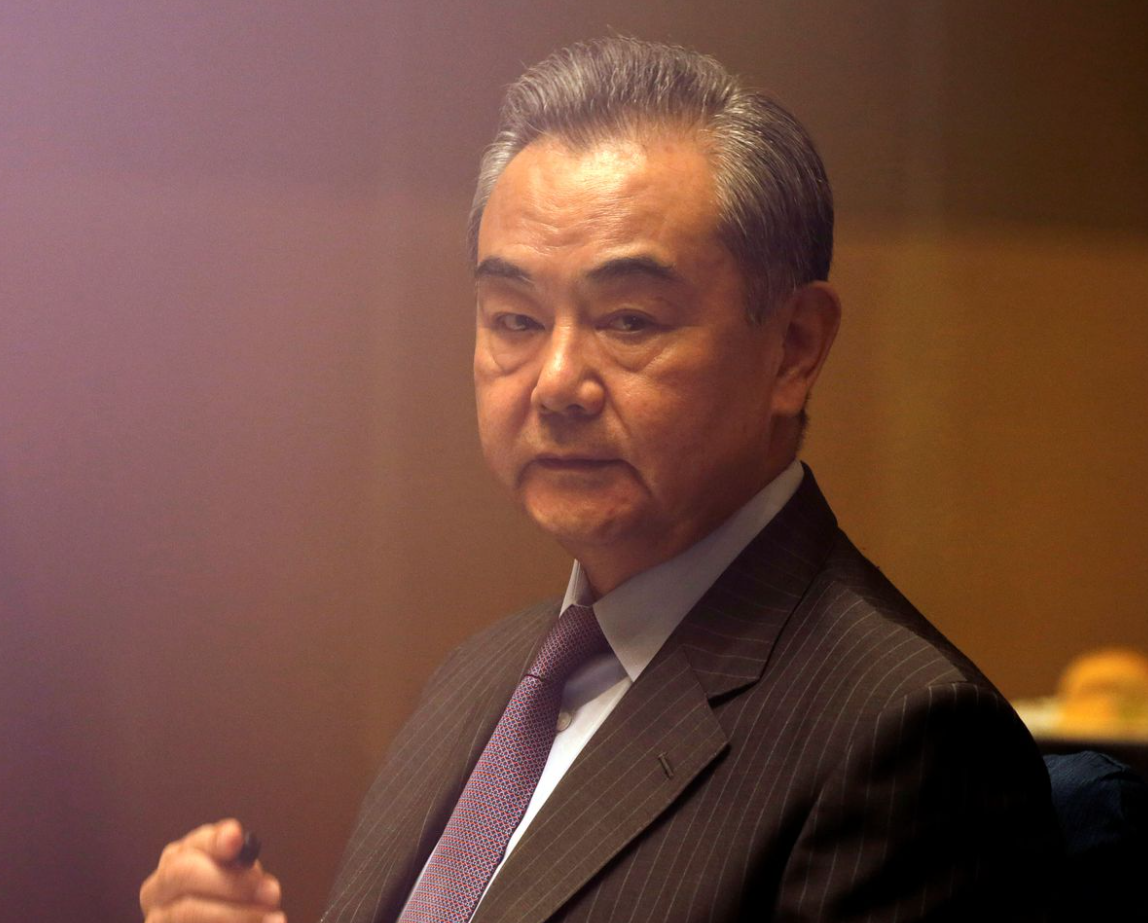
(609, 565)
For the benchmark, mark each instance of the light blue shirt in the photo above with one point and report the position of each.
(637, 618)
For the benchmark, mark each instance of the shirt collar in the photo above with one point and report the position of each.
(638, 616)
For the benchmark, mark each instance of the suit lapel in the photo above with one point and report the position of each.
(730, 634)
(664, 733)
(659, 737)
(405, 813)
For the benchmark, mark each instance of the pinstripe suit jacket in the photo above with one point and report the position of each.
(804, 747)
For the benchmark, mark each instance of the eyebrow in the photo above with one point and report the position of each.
(630, 266)
(494, 267)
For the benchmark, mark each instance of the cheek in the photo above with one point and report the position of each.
(682, 426)
(666, 423)
(500, 410)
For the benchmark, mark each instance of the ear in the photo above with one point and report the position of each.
(809, 319)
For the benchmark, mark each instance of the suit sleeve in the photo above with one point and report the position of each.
(938, 811)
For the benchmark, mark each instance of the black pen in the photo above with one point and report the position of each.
(248, 852)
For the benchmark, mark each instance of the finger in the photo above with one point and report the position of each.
(200, 910)
(227, 841)
(202, 838)
(190, 872)
(221, 840)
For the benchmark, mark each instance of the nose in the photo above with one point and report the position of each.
(568, 381)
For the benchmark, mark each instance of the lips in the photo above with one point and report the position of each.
(586, 461)
(573, 462)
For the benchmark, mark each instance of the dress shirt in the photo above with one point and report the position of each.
(637, 617)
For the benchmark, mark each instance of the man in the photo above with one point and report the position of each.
(758, 726)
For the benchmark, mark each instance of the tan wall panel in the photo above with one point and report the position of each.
(978, 428)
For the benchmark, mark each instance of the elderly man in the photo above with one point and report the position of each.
(732, 715)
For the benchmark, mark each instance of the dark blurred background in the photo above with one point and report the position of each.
(242, 509)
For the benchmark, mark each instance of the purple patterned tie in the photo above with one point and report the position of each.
(502, 783)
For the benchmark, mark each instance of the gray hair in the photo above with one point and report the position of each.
(775, 205)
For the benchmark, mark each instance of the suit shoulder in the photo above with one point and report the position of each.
(872, 637)
(509, 639)
(512, 629)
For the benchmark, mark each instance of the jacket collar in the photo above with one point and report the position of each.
(663, 732)
(729, 635)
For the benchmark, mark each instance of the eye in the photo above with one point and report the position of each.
(629, 322)
(516, 323)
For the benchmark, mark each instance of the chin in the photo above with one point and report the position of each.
(579, 527)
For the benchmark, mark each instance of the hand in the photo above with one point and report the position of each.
(196, 882)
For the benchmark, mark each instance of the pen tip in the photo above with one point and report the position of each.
(249, 851)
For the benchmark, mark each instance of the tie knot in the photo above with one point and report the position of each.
(573, 639)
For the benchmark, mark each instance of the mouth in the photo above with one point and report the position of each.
(574, 462)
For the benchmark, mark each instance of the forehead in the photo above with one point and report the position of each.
(653, 193)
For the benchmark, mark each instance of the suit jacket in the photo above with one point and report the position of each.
(804, 747)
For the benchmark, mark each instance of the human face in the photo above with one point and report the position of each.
(623, 397)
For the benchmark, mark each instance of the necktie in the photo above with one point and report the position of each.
(503, 781)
